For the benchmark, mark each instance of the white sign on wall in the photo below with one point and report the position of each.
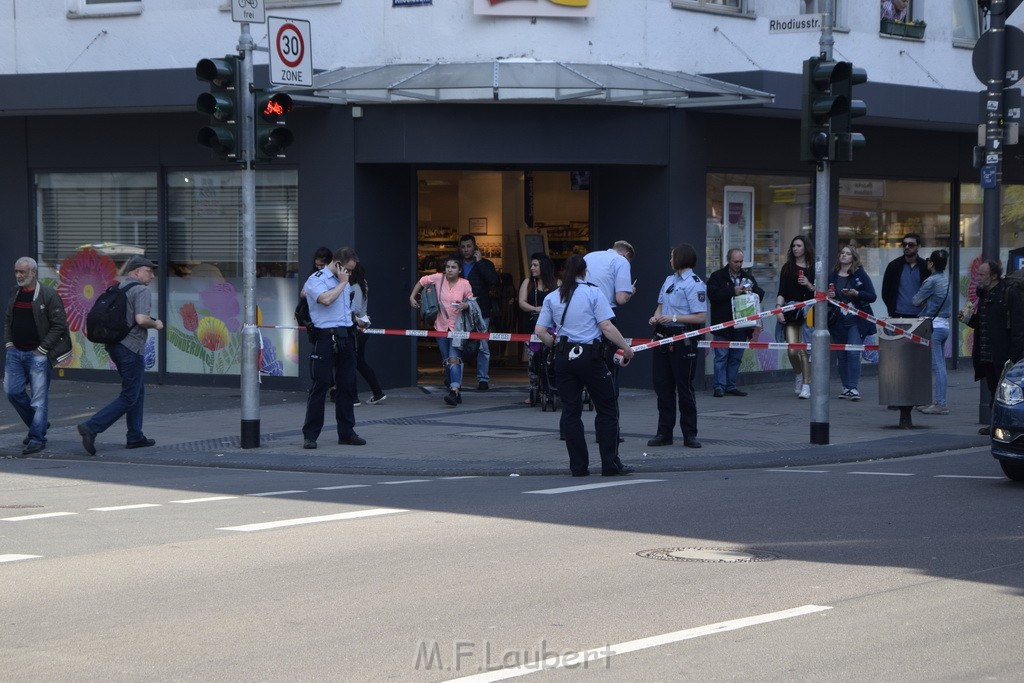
(290, 59)
(795, 24)
(535, 8)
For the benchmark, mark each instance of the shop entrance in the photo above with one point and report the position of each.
(510, 214)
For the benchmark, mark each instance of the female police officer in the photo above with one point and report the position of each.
(582, 314)
(682, 306)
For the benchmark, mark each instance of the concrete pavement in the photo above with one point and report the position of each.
(493, 433)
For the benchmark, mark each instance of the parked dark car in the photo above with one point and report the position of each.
(1008, 423)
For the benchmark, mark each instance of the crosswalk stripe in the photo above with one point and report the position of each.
(588, 487)
(404, 481)
(125, 507)
(44, 515)
(885, 474)
(312, 520)
(964, 476)
(203, 500)
(15, 558)
(273, 493)
(346, 486)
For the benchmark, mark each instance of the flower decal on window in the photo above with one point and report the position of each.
(83, 277)
(189, 316)
(212, 333)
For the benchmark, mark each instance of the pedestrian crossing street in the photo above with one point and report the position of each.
(331, 495)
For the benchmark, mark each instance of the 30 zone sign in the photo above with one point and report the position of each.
(290, 61)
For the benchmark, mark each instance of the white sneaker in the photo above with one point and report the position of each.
(936, 409)
(845, 393)
(376, 400)
(805, 391)
(798, 383)
(854, 395)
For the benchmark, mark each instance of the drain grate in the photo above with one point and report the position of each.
(714, 555)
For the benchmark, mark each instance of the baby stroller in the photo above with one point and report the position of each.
(546, 391)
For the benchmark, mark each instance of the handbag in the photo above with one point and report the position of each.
(429, 304)
(795, 316)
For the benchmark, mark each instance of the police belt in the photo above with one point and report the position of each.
(563, 344)
(663, 331)
(349, 331)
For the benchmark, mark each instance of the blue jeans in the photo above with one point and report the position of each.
(453, 371)
(939, 337)
(483, 357)
(27, 383)
(130, 402)
(848, 332)
(727, 365)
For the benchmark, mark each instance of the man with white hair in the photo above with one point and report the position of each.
(36, 334)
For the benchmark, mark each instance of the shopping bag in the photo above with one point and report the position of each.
(744, 305)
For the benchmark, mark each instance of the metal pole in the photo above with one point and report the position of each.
(250, 436)
(820, 365)
(993, 157)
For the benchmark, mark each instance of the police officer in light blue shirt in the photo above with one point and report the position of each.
(682, 307)
(582, 317)
(333, 360)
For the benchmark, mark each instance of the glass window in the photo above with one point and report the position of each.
(1011, 235)
(966, 22)
(88, 225)
(92, 8)
(822, 6)
(204, 262)
(736, 6)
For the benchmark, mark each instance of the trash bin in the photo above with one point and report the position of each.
(905, 367)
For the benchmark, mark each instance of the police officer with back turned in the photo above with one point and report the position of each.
(582, 315)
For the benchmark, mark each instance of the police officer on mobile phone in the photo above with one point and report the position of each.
(582, 317)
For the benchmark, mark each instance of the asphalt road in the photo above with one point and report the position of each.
(903, 569)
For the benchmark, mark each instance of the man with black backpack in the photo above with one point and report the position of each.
(134, 298)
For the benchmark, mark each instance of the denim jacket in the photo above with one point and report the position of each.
(934, 296)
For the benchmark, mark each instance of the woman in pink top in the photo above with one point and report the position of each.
(452, 293)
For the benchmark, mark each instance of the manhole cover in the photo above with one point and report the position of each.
(726, 555)
(19, 507)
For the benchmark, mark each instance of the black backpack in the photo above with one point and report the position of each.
(107, 322)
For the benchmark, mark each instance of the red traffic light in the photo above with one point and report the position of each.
(273, 108)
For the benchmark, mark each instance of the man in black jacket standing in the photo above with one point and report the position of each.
(903, 277)
(723, 285)
(482, 276)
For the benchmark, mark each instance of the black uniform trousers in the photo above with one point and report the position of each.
(333, 361)
(674, 367)
(591, 371)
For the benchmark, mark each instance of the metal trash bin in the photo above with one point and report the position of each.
(905, 367)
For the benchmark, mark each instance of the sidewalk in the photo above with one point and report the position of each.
(493, 433)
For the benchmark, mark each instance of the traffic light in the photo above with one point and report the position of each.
(223, 104)
(821, 105)
(272, 135)
(844, 141)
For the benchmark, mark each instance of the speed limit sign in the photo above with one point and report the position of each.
(290, 59)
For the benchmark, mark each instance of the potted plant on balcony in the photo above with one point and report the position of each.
(905, 29)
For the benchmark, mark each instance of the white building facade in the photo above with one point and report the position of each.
(521, 122)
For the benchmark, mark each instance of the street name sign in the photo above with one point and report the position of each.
(799, 23)
(290, 60)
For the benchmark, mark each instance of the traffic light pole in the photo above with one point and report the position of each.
(992, 197)
(820, 339)
(250, 436)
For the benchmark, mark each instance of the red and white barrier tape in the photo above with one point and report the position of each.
(887, 326)
(782, 346)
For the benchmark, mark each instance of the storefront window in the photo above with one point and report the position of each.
(88, 225)
(204, 242)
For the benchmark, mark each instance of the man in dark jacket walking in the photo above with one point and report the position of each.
(723, 285)
(36, 334)
(482, 276)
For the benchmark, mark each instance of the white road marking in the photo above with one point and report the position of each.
(885, 474)
(964, 476)
(575, 659)
(15, 558)
(312, 520)
(126, 507)
(40, 516)
(338, 488)
(587, 487)
(469, 476)
(404, 481)
(801, 471)
(204, 500)
(273, 493)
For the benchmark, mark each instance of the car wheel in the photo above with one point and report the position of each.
(1013, 469)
